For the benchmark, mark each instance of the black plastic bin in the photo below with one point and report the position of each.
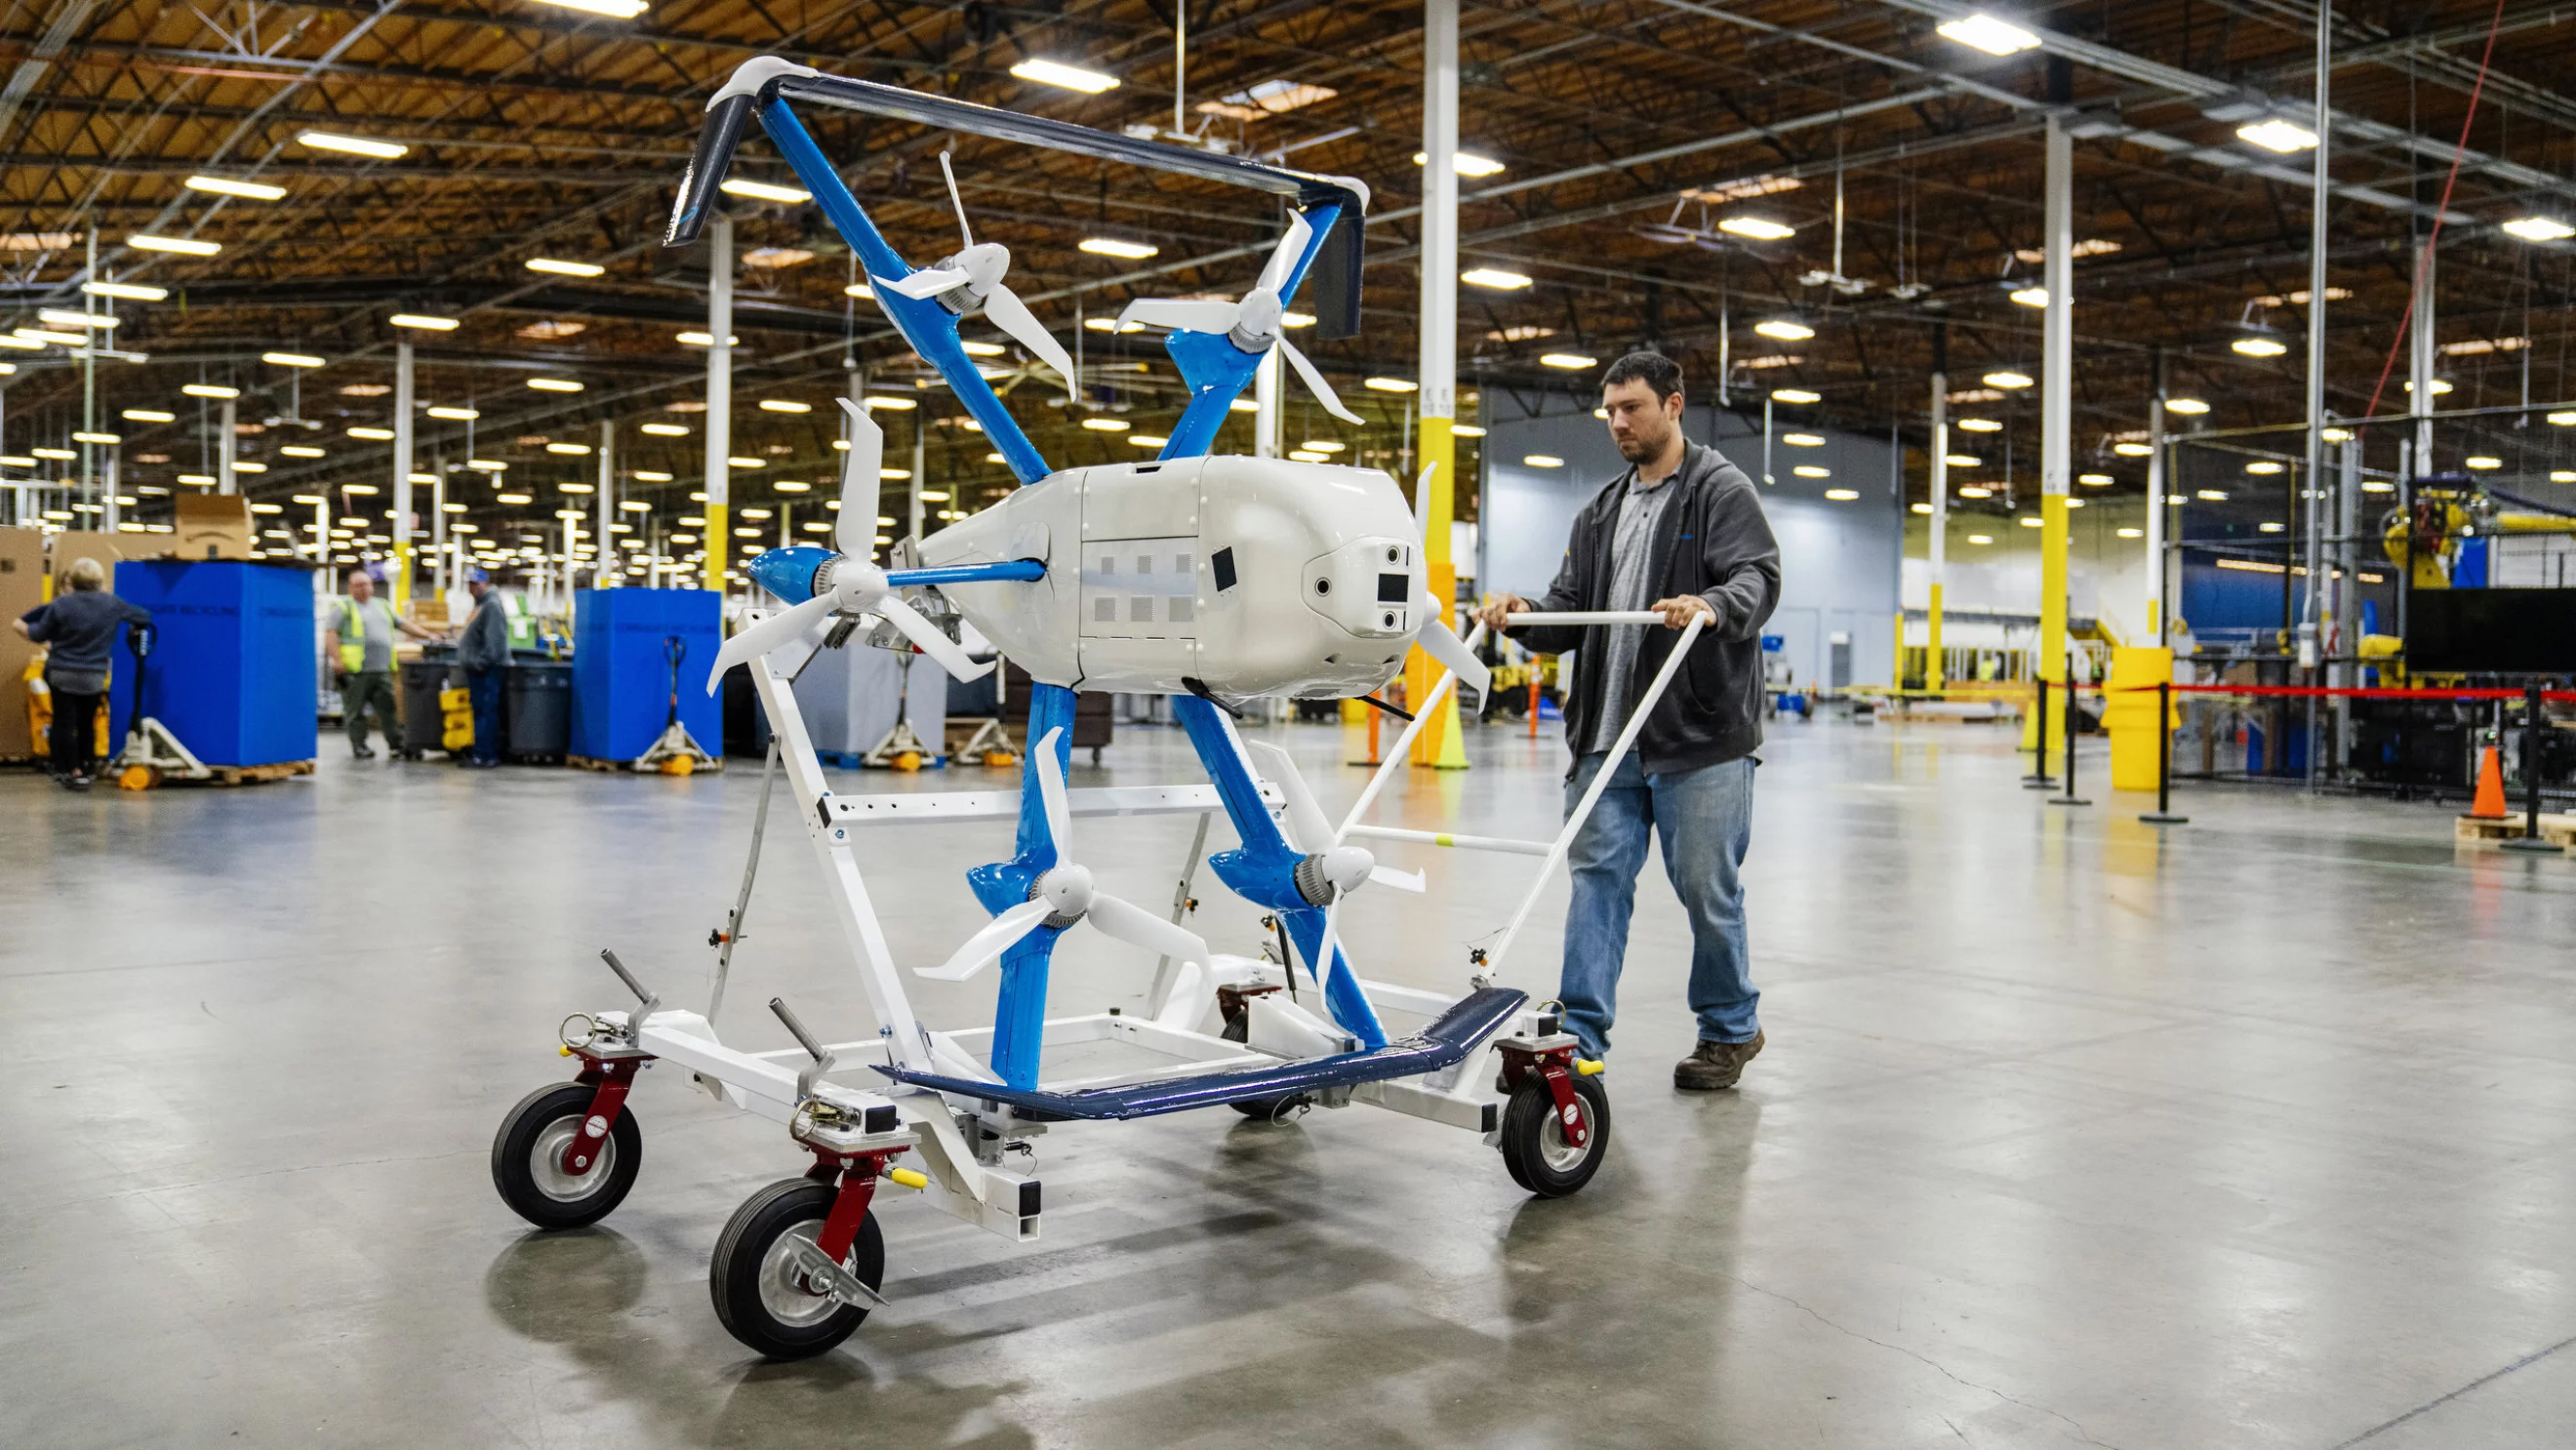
(418, 683)
(536, 711)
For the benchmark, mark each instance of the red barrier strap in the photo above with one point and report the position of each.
(2353, 692)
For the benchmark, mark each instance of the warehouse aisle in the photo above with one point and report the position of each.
(2253, 1134)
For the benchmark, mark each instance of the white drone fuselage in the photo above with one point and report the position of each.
(1248, 576)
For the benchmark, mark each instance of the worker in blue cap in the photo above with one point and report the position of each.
(485, 652)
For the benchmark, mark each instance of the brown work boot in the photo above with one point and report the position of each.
(1714, 1065)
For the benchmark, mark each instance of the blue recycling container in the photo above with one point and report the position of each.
(233, 670)
(621, 668)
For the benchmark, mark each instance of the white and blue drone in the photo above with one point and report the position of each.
(1210, 579)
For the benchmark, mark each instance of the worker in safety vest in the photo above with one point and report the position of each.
(362, 633)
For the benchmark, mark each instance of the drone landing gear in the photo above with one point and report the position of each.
(796, 1270)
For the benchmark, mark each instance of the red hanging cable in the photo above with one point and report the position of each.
(2415, 293)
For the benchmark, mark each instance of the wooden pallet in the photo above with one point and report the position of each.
(247, 774)
(2559, 829)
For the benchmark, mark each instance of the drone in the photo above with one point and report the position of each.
(1214, 580)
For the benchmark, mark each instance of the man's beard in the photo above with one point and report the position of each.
(1637, 448)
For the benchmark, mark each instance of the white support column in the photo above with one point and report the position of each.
(1937, 550)
(438, 528)
(108, 517)
(2056, 401)
(719, 483)
(2312, 477)
(2420, 400)
(402, 475)
(912, 485)
(225, 482)
(2158, 630)
(605, 564)
(1265, 398)
(1435, 459)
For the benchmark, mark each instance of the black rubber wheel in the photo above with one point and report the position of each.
(1533, 1140)
(761, 1296)
(1237, 1029)
(527, 1159)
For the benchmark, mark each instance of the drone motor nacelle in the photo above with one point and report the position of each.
(1249, 576)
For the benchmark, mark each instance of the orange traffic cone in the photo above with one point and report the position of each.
(2490, 802)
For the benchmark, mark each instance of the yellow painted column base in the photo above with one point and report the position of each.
(715, 543)
(1935, 672)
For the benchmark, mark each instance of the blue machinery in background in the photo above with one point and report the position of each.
(1262, 869)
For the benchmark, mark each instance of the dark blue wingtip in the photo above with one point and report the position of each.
(717, 137)
(1457, 1032)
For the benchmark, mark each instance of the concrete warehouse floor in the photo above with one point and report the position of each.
(2258, 1133)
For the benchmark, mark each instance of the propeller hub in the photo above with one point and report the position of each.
(1066, 890)
(1323, 875)
(1256, 321)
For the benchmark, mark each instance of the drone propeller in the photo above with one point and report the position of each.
(1310, 832)
(860, 480)
(1064, 889)
(979, 267)
(1253, 324)
(857, 586)
(1437, 639)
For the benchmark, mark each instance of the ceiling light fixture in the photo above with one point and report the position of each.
(562, 268)
(1117, 247)
(209, 390)
(1569, 361)
(1785, 330)
(2007, 380)
(1760, 229)
(2540, 229)
(2031, 296)
(149, 415)
(291, 359)
(1542, 460)
(1495, 278)
(1795, 395)
(1984, 32)
(765, 191)
(1391, 385)
(1067, 77)
(1465, 163)
(2276, 134)
(2258, 347)
(784, 405)
(184, 246)
(353, 145)
(130, 291)
(226, 186)
(554, 385)
(372, 435)
(2188, 407)
(423, 321)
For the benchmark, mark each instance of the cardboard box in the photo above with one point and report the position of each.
(22, 587)
(83, 544)
(212, 526)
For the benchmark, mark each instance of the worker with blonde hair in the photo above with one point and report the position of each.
(79, 629)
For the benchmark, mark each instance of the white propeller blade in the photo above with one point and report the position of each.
(1412, 881)
(928, 638)
(1322, 965)
(1134, 925)
(1274, 273)
(928, 282)
(775, 632)
(1308, 828)
(1004, 309)
(955, 201)
(1201, 315)
(996, 937)
(1442, 643)
(1059, 811)
(1315, 383)
(856, 532)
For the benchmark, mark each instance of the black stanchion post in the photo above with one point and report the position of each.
(2039, 778)
(2534, 721)
(2070, 798)
(2163, 814)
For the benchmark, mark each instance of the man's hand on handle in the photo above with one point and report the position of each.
(1495, 608)
(1681, 609)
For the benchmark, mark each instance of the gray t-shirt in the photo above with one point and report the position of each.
(376, 624)
(1631, 558)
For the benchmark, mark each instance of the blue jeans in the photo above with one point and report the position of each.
(1705, 820)
(483, 687)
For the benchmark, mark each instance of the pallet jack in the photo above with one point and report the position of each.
(152, 753)
(676, 752)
